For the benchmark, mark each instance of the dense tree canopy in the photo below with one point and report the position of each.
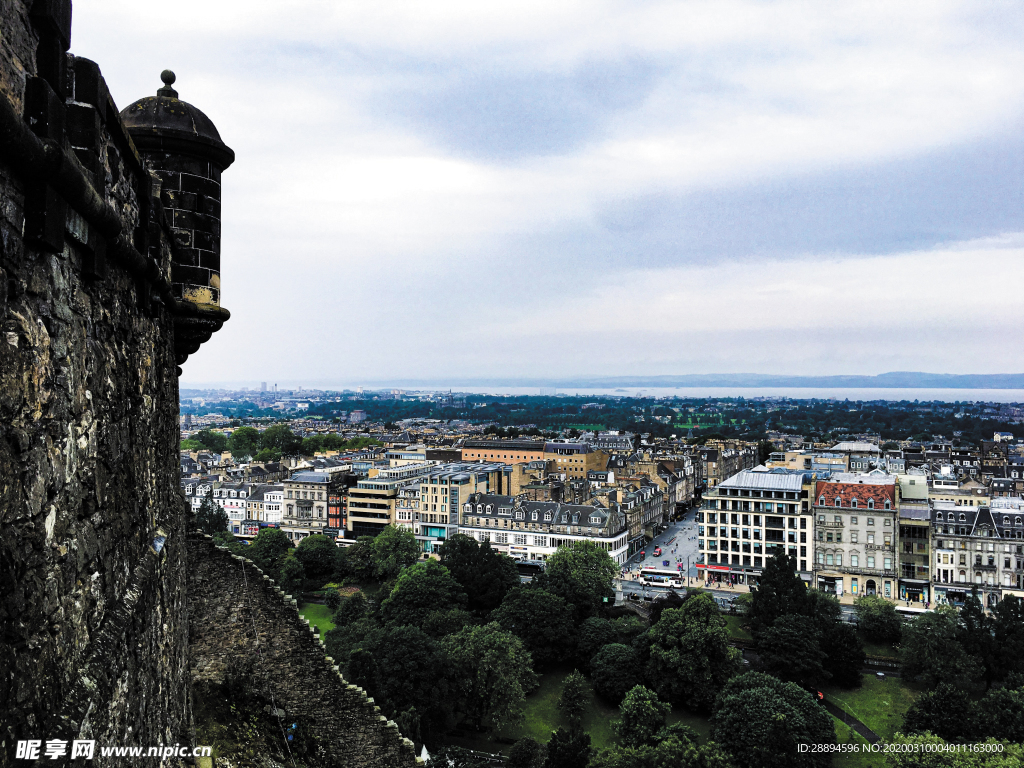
(614, 670)
(761, 721)
(541, 620)
(690, 658)
(392, 550)
(878, 620)
(932, 653)
(319, 557)
(421, 590)
(485, 574)
(244, 441)
(641, 717)
(780, 591)
(269, 549)
(582, 576)
(492, 673)
(789, 650)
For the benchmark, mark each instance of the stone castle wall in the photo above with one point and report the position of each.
(94, 624)
(241, 620)
(93, 634)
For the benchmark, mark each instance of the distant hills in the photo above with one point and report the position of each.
(894, 380)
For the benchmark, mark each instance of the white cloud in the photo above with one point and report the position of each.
(350, 197)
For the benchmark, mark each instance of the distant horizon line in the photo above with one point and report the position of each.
(890, 380)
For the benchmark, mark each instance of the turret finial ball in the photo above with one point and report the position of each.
(168, 77)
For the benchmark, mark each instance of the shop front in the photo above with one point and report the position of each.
(914, 591)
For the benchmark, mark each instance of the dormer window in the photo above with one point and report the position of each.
(547, 517)
(467, 508)
(871, 503)
(1006, 521)
(519, 515)
(853, 503)
(963, 518)
(534, 517)
(479, 509)
(839, 502)
(489, 508)
(821, 501)
(888, 504)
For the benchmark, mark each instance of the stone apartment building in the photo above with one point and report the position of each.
(721, 460)
(978, 547)
(751, 516)
(440, 492)
(305, 504)
(534, 530)
(855, 531)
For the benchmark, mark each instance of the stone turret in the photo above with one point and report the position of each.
(184, 148)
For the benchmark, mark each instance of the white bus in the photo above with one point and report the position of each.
(658, 577)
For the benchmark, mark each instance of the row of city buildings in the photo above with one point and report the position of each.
(917, 537)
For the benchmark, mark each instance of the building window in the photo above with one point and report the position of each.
(871, 561)
(854, 562)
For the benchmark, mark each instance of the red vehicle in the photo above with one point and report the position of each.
(642, 553)
(657, 552)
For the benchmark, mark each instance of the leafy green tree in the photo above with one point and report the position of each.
(213, 441)
(282, 438)
(190, 445)
(932, 653)
(332, 599)
(1008, 635)
(244, 441)
(593, 634)
(344, 639)
(527, 753)
(573, 701)
(690, 658)
(975, 632)
(761, 722)
(627, 629)
(878, 620)
(642, 717)
(293, 575)
(422, 589)
(350, 609)
(581, 575)
(446, 622)
(393, 548)
(948, 712)
(269, 549)
(789, 650)
(541, 620)
(485, 574)
(357, 559)
(404, 669)
(492, 673)
(211, 517)
(1002, 714)
(613, 671)
(568, 749)
(781, 591)
(319, 557)
(268, 455)
(844, 654)
(677, 747)
(930, 751)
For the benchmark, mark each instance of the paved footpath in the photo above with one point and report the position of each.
(845, 717)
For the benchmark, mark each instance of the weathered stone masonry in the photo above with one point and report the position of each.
(231, 603)
(109, 280)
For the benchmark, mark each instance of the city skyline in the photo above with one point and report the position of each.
(567, 189)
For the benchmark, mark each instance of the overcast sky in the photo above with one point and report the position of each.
(432, 190)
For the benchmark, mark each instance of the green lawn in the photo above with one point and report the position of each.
(880, 703)
(543, 716)
(846, 735)
(318, 615)
(734, 623)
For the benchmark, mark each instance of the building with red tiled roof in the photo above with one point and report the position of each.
(855, 535)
